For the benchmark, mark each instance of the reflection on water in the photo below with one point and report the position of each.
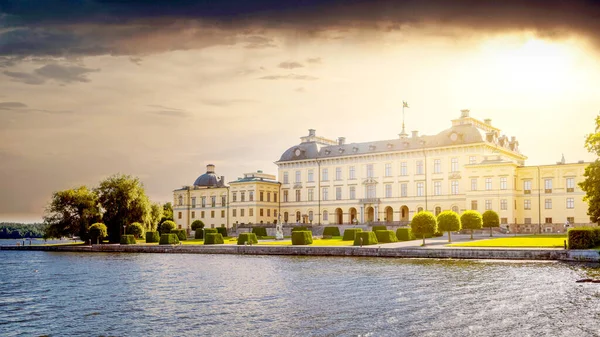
(229, 295)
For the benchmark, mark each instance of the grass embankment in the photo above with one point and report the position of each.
(334, 241)
(541, 241)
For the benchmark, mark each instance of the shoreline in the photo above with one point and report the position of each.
(367, 251)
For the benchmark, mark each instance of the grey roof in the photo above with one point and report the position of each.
(207, 179)
(466, 134)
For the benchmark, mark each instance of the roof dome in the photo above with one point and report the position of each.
(209, 178)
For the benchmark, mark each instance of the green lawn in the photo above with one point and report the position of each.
(548, 241)
(335, 241)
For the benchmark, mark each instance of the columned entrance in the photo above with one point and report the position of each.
(339, 216)
(404, 213)
(389, 214)
(370, 214)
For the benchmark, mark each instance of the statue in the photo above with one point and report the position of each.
(278, 231)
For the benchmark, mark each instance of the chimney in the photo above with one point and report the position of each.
(341, 140)
(464, 113)
(487, 121)
(311, 132)
(210, 168)
(415, 134)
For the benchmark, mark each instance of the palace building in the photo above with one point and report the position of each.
(470, 166)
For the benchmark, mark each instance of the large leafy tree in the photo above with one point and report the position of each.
(423, 223)
(448, 221)
(156, 214)
(591, 184)
(490, 220)
(124, 201)
(471, 220)
(71, 212)
(167, 213)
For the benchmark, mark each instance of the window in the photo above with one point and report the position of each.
(419, 167)
(388, 190)
(193, 202)
(548, 204)
(371, 191)
(325, 175)
(527, 204)
(454, 187)
(203, 201)
(352, 192)
(570, 184)
(548, 220)
(455, 209)
(473, 184)
(234, 213)
(472, 160)
(338, 173)
(325, 193)
(527, 221)
(251, 212)
(213, 201)
(488, 184)
(437, 188)
(338, 193)
(275, 213)
(268, 196)
(298, 177)
(179, 215)
(212, 214)
(527, 186)
(474, 205)
(454, 165)
(261, 212)
(242, 212)
(548, 185)
(180, 200)
(223, 201)
(570, 219)
(285, 196)
(261, 196)
(250, 195)
(503, 204)
(370, 171)
(193, 215)
(325, 215)
(488, 204)
(388, 170)
(503, 183)
(234, 196)
(419, 189)
(222, 213)
(310, 216)
(285, 178)
(420, 209)
(570, 203)
(298, 195)
(311, 192)
(351, 173)
(298, 216)
(437, 166)
(202, 214)
(268, 212)
(403, 190)
(311, 176)
(243, 196)
(438, 210)
(403, 169)
(504, 221)
(275, 197)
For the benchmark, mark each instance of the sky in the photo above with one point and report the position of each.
(160, 89)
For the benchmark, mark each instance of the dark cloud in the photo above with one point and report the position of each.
(12, 105)
(60, 73)
(315, 60)
(22, 107)
(290, 65)
(136, 60)
(24, 77)
(225, 102)
(169, 112)
(289, 77)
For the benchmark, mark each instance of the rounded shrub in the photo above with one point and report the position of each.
(136, 229)
(259, 231)
(423, 223)
(197, 224)
(214, 239)
(244, 238)
(181, 234)
(301, 238)
(167, 226)
(331, 231)
(168, 239)
(379, 228)
(222, 231)
(128, 240)
(490, 219)
(404, 234)
(386, 236)
(583, 237)
(152, 237)
(471, 220)
(97, 232)
(350, 234)
(365, 239)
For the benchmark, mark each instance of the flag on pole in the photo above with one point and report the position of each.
(404, 104)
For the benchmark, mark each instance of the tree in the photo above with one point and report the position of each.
(98, 232)
(167, 212)
(197, 224)
(448, 221)
(423, 223)
(471, 220)
(136, 229)
(490, 219)
(167, 226)
(124, 201)
(156, 214)
(591, 184)
(70, 212)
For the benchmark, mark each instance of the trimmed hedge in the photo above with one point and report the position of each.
(404, 234)
(181, 234)
(300, 229)
(167, 226)
(583, 237)
(222, 231)
(259, 231)
(301, 238)
(386, 236)
(152, 237)
(168, 239)
(379, 228)
(368, 238)
(214, 239)
(331, 231)
(247, 238)
(350, 234)
(128, 240)
(210, 230)
(199, 234)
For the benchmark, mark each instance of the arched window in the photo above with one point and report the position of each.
(325, 216)
(310, 216)
(180, 201)
(298, 216)
(438, 210)
(455, 209)
(285, 217)
(420, 209)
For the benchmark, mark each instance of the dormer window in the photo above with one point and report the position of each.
(355, 149)
(389, 146)
(371, 147)
(341, 150)
(327, 152)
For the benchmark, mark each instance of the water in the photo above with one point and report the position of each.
(72, 294)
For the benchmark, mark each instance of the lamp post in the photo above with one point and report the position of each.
(124, 226)
(425, 164)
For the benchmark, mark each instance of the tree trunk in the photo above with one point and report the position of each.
(490, 231)
(423, 239)
(449, 236)
(471, 234)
